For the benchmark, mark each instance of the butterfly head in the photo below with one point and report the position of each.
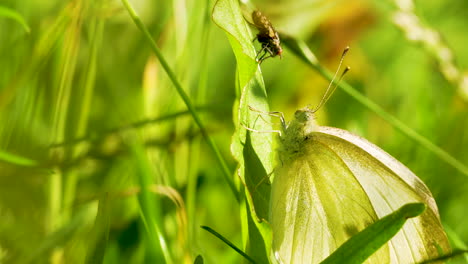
(302, 124)
(297, 132)
(303, 115)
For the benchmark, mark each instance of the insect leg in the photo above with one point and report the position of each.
(267, 50)
(260, 51)
(264, 58)
(274, 113)
(261, 131)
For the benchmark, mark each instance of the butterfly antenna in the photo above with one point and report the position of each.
(331, 88)
(338, 82)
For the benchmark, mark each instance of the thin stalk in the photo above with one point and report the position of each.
(57, 193)
(97, 28)
(229, 243)
(135, 125)
(67, 83)
(225, 170)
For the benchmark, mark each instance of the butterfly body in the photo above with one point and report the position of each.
(331, 184)
(296, 134)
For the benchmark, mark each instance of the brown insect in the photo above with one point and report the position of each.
(267, 36)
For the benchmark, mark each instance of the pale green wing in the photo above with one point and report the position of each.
(389, 184)
(316, 205)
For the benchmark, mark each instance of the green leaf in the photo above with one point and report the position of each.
(362, 245)
(253, 150)
(8, 13)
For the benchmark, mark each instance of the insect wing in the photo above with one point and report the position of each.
(316, 205)
(389, 185)
(346, 140)
(261, 22)
(340, 184)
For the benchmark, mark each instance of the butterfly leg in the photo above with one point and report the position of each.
(277, 114)
(261, 131)
(261, 116)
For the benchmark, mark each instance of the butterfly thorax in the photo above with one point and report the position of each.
(298, 131)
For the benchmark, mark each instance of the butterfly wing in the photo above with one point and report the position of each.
(389, 185)
(316, 205)
(339, 185)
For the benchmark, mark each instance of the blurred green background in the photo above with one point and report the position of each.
(83, 97)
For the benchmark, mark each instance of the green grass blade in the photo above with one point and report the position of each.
(43, 49)
(454, 254)
(225, 169)
(100, 233)
(82, 116)
(17, 160)
(60, 209)
(96, 136)
(157, 250)
(227, 242)
(303, 52)
(362, 245)
(8, 13)
(97, 30)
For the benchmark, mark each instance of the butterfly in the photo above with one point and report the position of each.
(331, 184)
